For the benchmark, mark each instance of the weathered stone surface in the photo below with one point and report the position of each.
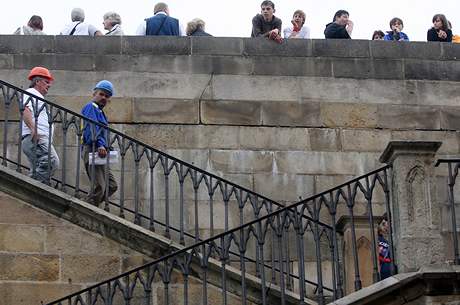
(147, 110)
(365, 68)
(312, 163)
(262, 46)
(32, 44)
(284, 187)
(292, 114)
(431, 69)
(21, 238)
(241, 161)
(89, 268)
(438, 93)
(325, 139)
(231, 112)
(450, 140)
(29, 267)
(450, 118)
(450, 51)
(405, 116)
(33, 293)
(273, 138)
(76, 62)
(155, 45)
(365, 140)
(349, 115)
(6, 61)
(295, 66)
(340, 48)
(328, 89)
(209, 46)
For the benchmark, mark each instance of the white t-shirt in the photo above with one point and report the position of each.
(42, 120)
(304, 32)
(81, 29)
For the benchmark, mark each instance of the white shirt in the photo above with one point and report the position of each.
(303, 33)
(115, 31)
(42, 120)
(81, 29)
(142, 28)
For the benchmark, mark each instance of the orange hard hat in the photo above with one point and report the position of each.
(40, 71)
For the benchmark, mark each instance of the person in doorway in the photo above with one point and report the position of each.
(341, 26)
(95, 141)
(266, 24)
(37, 136)
(396, 33)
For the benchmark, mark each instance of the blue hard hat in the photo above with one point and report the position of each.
(106, 86)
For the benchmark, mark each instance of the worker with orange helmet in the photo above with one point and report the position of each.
(37, 131)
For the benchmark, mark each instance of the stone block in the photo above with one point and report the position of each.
(437, 93)
(10, 44)
(21, 238)
(147, 110)
(75, 44)
(365, 140)
(20, 293)
(273, 138)
(231, 112)
(89, 268)
(194, 296)
(387, 92)
(284, 187)
(402, 116)
(317, 89)
(306, 114)
(325, 139)
(422, 50)
(73, 62)
(449, 118)
(367, 69)
(325, 163)
(386, 49)
(431, 69)
(450, 140)
(16, 212)
(108, 44)
(450, 51)
(29, 267)
(236, 65)
(6, 61)
(262, 47)
(254, 88)
(349, 115)
(156, 45)
(241, 161)
(340, 48)
(201, 45)
(295, 66)
(72, 240)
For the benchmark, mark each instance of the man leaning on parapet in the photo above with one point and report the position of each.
(94, 141)
(266, 24)
(160, 24)
(37, 136)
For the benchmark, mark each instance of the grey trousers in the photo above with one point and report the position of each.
(38, 158)
(98, 194)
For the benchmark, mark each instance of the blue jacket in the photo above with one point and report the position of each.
(390, 36)
(93, 112)
(162, 25)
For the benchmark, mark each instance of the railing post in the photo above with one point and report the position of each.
(416, 214)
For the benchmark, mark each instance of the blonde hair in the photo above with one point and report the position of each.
(194, 25)
(302, 14)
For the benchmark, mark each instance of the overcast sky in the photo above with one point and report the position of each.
(233, 18)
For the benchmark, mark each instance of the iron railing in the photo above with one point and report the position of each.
(453, 166)
(284, 247)
(194, 263)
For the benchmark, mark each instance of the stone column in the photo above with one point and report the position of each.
(416, 214)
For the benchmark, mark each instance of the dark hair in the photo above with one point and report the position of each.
(36, 22)
(340, 13)
(445, 23)
(268, 3)
(394, 20)
(378, 33)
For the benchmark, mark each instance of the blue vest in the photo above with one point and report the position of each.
(170, 26)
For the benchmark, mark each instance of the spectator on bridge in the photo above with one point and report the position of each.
(267, 24)
(33, 27)
(341, 27)
(196, 28)
(37, 138)
(455, 38)
(298, 30)
(396, 33)
(161, 24)
(94, 140)
(112, 23)
(440, 30)
(384, 249)
(378, 35)
(78, 26)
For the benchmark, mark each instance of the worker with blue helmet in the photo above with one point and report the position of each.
(95, 140)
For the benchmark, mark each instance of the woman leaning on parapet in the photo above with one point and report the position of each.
(33, 27)
(196, 28)
(112, 23)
